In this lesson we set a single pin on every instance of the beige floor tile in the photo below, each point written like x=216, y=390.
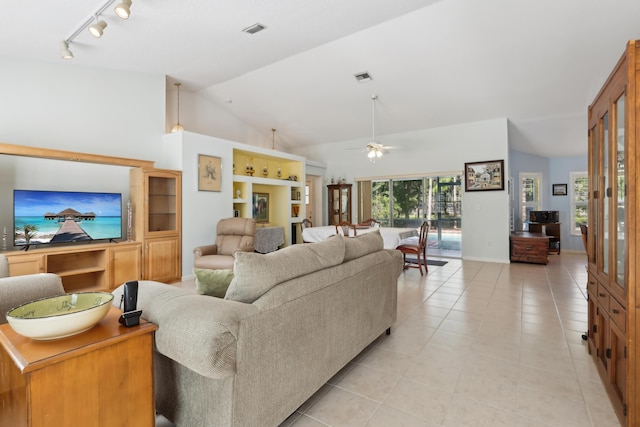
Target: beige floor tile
x=339, y=407
x=465, y=412
x=419, y=400
x=387, y=361
x=386, y=416
x=554, y=410
x=368, y=382
x=559, y=384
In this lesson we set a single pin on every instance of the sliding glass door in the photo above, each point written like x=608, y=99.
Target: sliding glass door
x=406, y=202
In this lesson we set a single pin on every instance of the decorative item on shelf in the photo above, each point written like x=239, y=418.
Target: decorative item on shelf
x=234, y=168
x=265, y=170
x=178, y=127
x=292, y=178
x=236, y=213
x=279, y=172
x=238, y=193
x=129, y=221
x=249, y=169
x=296, y=210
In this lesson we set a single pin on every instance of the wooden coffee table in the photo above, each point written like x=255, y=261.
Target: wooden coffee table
x=101, y=377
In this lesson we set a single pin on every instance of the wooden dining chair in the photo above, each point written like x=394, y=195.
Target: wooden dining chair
x=345, y=226
x=418, y=249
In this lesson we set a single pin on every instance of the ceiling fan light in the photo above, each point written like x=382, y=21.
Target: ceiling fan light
x=123, y=9
x=97, y=29
x=371, y=154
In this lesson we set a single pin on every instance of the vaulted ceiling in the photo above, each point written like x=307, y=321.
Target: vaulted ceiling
x=433, y=62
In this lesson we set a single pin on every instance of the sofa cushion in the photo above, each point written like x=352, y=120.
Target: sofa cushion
x=365, y=244
x=256, y=273
x=212, y=282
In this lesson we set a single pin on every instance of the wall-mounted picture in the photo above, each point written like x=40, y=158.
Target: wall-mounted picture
x=559, y=189
x=209, y=173
x=484, y=176
x=261, y=207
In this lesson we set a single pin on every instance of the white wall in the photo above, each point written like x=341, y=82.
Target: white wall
x=201, y=210
x=67, y=107
x=441, y=150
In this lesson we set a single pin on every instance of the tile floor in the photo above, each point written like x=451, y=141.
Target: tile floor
x=475, y=344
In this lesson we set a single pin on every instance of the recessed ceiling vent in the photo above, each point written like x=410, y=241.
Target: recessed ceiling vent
x=254, y=28
x=363, y=77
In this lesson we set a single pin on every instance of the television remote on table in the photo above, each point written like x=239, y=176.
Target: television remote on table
x=130, y=316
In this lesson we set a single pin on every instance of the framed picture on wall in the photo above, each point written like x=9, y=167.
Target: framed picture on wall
x=209, y=173
x=484, y=176
x=559, y=189
x=261, y=207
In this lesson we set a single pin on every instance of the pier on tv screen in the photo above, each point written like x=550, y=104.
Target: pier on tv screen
x=42, y=217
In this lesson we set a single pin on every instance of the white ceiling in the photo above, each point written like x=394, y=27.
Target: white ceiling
x=434, y=63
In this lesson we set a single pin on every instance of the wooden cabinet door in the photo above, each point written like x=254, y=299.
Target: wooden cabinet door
x=26, y=264
x=126, y=262
x=162, y=259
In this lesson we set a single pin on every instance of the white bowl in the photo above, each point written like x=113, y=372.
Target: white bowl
x=61, y=316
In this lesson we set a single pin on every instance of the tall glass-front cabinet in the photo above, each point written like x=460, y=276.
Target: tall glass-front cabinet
x=156, y=200
x=339, y=201
x=612, y=239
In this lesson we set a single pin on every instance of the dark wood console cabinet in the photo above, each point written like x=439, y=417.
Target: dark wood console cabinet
x=529, y=247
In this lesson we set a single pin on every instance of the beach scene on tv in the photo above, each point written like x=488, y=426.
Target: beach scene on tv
x=42, y=217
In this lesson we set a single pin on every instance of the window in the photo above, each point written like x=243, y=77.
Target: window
x=530, y=194
x=579, y=199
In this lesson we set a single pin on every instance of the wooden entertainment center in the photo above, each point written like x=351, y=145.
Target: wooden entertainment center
x=155, y=250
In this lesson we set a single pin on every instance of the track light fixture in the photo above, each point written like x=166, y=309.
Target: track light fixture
x=64, y=50
x=97, y=29
x=95, y=25
x=123, y=9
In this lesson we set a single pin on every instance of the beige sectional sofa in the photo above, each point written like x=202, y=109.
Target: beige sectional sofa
x=289, y=321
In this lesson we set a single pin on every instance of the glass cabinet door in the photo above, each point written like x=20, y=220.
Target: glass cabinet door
x=606, y=194
x=620, y=195
x=162, y=204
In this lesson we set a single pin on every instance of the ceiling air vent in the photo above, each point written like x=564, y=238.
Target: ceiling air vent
x=363, y=77
x=254, y=28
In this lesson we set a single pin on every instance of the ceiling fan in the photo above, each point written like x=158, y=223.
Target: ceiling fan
x=375, y=150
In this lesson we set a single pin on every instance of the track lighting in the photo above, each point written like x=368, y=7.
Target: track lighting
x=95, y=25
x=64, y=50
x=97, y=29
x=123, y=9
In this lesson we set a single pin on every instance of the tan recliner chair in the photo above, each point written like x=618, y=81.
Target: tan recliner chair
x=232, y=234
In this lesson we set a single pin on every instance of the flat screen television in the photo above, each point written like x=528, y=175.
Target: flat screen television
x=46, y=217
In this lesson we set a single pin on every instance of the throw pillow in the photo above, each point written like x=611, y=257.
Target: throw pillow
x=212, y=282
x=256, y=273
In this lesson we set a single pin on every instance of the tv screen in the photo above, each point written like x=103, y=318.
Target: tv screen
x=41, y=217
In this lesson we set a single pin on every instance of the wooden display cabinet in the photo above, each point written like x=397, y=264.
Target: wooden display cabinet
x=614, y=317
x=339, y=201
x=156, y=200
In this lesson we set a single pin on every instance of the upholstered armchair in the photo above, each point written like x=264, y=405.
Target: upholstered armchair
x=22, y=289
x=231, y=234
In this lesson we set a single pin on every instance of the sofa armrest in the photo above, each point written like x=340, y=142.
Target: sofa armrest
x=198, y=331
x=18, y=290
x=205, y=250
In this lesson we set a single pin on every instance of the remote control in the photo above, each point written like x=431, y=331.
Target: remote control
x=130, y=296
